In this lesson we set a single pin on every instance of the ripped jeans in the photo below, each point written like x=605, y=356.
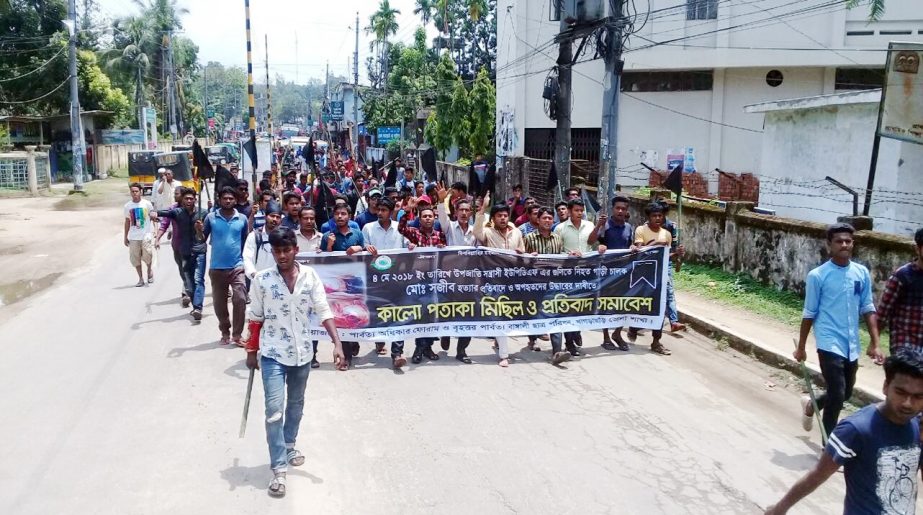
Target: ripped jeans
x=284, y=388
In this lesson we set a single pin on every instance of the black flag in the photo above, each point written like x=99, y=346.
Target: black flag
x=674, y=181
x=429, y=164
x=552, y=178
x=250, y=147
x=391, y=179
x=308, y=152
x=201, y=162
x=223, y=178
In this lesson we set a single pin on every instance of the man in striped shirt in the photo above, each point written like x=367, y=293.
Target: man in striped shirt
x=543, y=241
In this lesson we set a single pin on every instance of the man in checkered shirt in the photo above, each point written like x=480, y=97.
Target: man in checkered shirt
x=901, y=303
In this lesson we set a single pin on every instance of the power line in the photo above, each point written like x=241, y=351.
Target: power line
x=37, y=98
x=42, y=66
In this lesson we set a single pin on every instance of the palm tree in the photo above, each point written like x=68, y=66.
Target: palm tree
x=130, y=56
x=424, y=9
x=876, y=8
x=383, y=24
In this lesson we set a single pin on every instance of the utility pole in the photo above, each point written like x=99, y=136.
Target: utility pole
x=608, y=148
x=268, y=96
x=296, y=57
x=171, y=86
x=76, y=132
x=205, y=100
x=562, y=141
x=355, y=132
x=252, y=107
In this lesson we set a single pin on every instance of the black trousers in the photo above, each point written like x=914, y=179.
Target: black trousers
x=840, y=375
x=460, y=347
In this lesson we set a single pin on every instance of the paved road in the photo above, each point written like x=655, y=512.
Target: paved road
x=115, y=403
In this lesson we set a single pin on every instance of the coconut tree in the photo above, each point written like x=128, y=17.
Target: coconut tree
x=383, y=24
x=424, y=9
x=129, y=56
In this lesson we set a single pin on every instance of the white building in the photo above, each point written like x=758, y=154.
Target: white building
x=809, y=139
x=689, y=73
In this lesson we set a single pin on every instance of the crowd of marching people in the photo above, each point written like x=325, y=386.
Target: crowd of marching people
x=327, y=204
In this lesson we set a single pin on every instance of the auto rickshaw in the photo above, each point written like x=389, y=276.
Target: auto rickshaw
x=142, y=169
x=180, y=164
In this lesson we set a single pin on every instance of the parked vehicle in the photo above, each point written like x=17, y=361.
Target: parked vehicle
x=143, y=169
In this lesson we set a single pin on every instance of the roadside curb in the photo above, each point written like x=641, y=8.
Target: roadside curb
x=861, y=396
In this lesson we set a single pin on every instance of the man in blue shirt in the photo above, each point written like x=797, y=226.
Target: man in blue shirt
x=838, y=292
x=878, y=447
x=370, y=215
x=618, y=234
x=344, y=238
x=227, y=230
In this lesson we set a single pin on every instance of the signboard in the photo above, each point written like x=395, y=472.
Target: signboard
x=901, y=115
x=122, y=137
x=388, y=134
x=456, y=291
x=326, y=118
x=336, y=110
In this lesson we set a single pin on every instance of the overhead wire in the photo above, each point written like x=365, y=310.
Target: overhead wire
x=36, y=99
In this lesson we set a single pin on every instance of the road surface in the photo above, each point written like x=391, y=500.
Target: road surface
x=114, y=402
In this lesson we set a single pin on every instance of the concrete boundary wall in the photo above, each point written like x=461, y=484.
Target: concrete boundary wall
x=773, y=250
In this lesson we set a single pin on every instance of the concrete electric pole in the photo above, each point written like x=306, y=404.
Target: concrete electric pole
x=562, y=139
x=78, y=151
x=608, y=145
x=355, y=132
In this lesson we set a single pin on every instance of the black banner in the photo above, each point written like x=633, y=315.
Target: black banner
x=487, y=292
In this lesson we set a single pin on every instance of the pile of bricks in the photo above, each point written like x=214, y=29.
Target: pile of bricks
x=744, y=187
x=694, y=184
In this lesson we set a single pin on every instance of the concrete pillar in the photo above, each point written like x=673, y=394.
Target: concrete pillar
x=32, y=170
x=731, y=262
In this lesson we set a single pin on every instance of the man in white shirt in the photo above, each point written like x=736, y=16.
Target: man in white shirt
x=384, y=235
x=575, y=232
x=284, y=301
x=308, y=235
x=257, y=251
x=458, y=233
x=139, y=232
x=164, y=189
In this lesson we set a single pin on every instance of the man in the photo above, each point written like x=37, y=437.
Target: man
x=164, y=189
x=517, y=203
x=617, y=234
x=458, y=233
x=837, y=294
x=543, y=241
x=139, y=233
x=458, y=192
x=227, y=230
x=308, y=235
x=243, y=205
x=878, y=447
x=258, y=217
x=187, y=220
x=344, y=238
x=331, y=225
x=384, y=235
x=302, y=184
x=650, y=234
x=575, y=232
x=370, y=215
x=901, y=302
x=257, y=251
x=425, y=236
x=560, y=210
x=524, y=217
x=407, y=177
x=289, y=186
x=676, y=255
x=500, y=235
x=531, y=219
x=419, y=189
x=288, y=287
x=291, y=202
x=414, y=205
x=168, y=225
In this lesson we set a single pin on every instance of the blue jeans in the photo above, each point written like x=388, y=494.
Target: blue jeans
x=281, y=381
x=193, y=269
x=672, y=315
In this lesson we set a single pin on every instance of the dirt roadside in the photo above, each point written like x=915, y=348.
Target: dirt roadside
x=44, y=240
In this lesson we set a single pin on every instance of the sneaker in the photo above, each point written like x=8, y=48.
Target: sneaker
x=315, y=364
x=186, y=301
x=807, y=422
x=197, y=314
x=560, y=357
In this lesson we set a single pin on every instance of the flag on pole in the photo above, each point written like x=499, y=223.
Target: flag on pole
x=552, y=177
x=250, y=147
x=674, y=181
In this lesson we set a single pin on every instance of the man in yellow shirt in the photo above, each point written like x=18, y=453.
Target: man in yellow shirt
x=653, y=234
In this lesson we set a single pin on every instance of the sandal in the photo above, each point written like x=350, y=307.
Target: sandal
x=295, y=458
x=430, y=355
x=534, y=346
x=277, y=486
x=140, y=284
x=658, y=348
x=150, y=280
x=464, y=359
x=504, y=363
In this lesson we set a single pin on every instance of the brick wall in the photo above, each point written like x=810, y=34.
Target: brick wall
x=694, y=184
x=744, y=187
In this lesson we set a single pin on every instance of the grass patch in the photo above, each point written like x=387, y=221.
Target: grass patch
x=96, y=194
x=742, y=291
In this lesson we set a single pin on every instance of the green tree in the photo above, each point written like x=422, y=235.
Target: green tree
x=127, y=58
x=424, y=9
x=482, y=114
x=383, y=24
x=876, y=7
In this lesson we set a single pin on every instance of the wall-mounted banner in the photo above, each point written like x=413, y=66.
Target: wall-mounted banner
x=487, y=292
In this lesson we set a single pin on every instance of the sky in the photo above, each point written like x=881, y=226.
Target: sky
x=324, y=31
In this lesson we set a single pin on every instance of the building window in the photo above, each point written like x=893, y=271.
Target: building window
x=859, y=78
x=644, y=82
x=701, y=9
